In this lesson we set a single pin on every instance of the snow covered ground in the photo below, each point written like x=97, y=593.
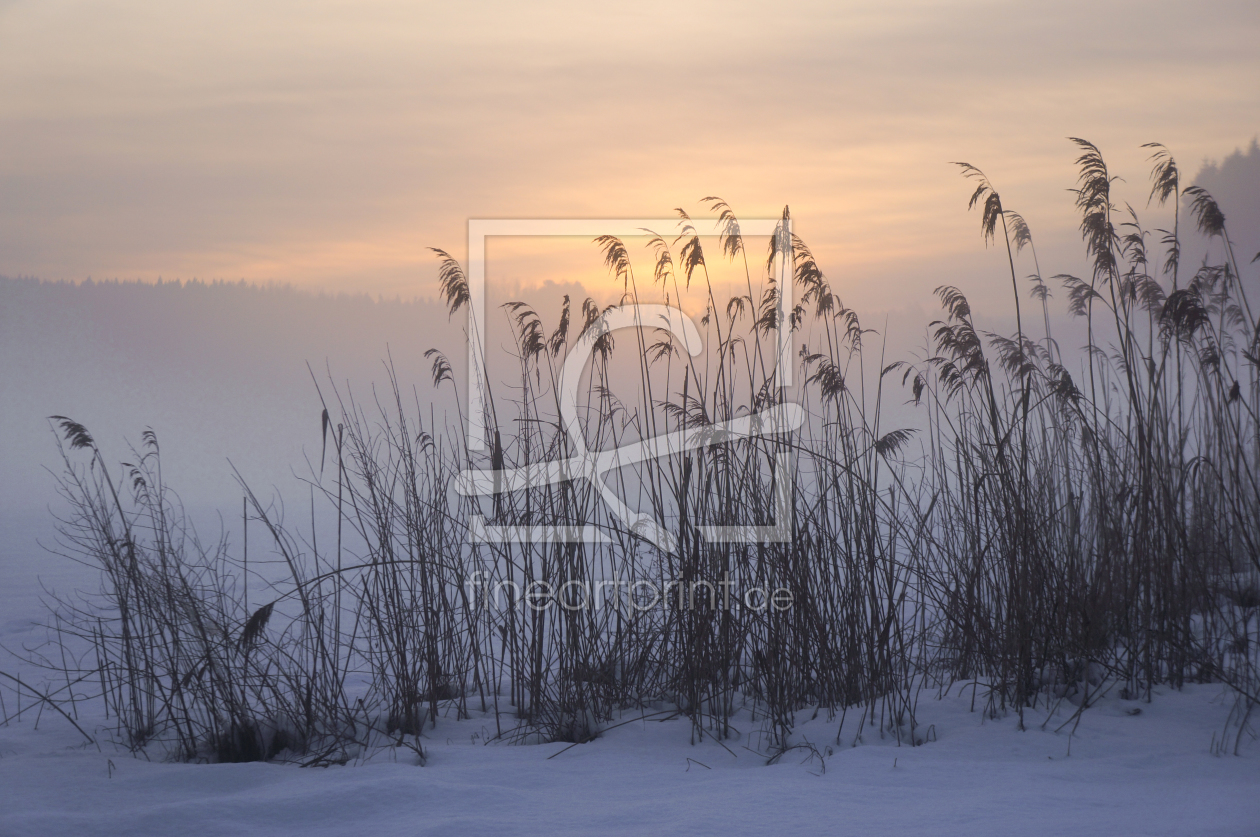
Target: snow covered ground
x=1148, y=773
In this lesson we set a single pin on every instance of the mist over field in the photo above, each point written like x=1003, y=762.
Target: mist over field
x=220, y=369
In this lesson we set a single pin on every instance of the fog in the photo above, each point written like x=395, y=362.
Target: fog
x=235, y=376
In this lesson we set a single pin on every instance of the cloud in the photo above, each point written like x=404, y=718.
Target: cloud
x=327, y=145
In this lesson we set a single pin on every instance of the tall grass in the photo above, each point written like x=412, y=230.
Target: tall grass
x=1051, y=525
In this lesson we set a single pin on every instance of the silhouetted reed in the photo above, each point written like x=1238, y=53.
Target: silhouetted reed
x=1051, y=525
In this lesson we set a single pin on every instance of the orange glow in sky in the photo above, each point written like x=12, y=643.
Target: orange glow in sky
x=328, y=144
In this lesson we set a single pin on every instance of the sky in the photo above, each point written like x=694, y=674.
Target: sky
x=328, y=144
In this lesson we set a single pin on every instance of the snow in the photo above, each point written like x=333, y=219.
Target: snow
x=1147, y=773
x=1150, y=773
